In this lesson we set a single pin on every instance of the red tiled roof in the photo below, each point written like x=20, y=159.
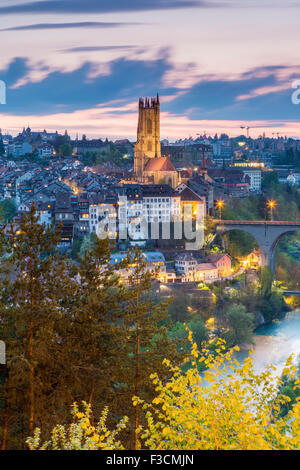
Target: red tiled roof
x=159, y=164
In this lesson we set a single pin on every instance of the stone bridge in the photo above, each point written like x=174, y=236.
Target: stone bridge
x=266, y=233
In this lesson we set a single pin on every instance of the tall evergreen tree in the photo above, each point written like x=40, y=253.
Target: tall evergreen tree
x=30, y=313
x=145, y=341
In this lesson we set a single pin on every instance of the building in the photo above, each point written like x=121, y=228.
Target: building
x=161, y=171
x=191, y=199
x=186, y=266
x=84, y=146
x=222, y=261
x=103, y=215
x=19, y=147
x=149, y=165
x=253, y=170
x=190, y=270
x=64, y=215
x=252, y=261
x=148, y=134
x=155, y=262
x=142, y=205
x=45, y=151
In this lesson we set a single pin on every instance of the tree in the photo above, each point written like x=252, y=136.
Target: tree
x=229, y=407
x=199, y=331
x=93, y=341
x=266, y=282
x=7, y=210
x=240, y=324
x=88, y=244
x=178, y=309
x=32, y=319
x=65, y=150
x=2, y=148
x=146, y=341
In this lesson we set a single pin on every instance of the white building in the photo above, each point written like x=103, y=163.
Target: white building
x=136, y=208
x=19, y=148
x=254, y=175
x=46, y=151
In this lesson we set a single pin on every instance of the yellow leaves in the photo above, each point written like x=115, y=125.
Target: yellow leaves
x=156, y=401
x=80, y=435
x=235, y=408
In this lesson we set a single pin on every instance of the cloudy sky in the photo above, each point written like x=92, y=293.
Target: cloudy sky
x=217, y=64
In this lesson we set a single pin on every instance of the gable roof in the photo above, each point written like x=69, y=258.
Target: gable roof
x=215, y=257
x=159, y=164
x=187, y=194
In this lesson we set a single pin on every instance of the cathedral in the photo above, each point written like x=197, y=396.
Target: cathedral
x=149, y=165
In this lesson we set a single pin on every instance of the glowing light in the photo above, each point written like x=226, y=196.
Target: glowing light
x=271, y=204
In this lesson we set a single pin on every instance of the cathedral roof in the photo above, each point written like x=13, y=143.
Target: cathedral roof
x=159, y=164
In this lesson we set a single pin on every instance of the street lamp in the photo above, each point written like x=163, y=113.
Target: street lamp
x=220, y=205
x=271, y=205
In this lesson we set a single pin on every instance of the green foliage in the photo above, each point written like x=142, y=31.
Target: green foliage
x=266, y=281
x=7, y=210
x=290, y=389
x=32, y=321
x=77, y=242
x=145, y=340
x=2, y=148
x=88, y=244
x=65, y=150
x=198, y=328
x=178, y=309
x=240, y=325
x=240, y=243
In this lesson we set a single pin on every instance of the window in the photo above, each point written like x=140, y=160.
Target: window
x=149, y=126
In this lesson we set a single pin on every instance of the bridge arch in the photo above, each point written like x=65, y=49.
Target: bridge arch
x=266, y=233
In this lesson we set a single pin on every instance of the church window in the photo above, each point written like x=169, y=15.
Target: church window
x=149, y=126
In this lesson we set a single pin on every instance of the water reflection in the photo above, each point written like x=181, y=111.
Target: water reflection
x=274, y=343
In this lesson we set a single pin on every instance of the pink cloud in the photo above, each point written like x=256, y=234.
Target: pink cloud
x=121, y=122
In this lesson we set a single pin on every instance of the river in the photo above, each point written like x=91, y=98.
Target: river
x=275, y=342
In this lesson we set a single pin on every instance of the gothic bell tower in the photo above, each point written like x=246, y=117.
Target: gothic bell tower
x=148, y=134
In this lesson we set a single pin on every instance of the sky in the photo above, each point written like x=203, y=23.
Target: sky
x=217, y=65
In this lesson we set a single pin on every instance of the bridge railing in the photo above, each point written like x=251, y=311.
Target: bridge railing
x=256, y=222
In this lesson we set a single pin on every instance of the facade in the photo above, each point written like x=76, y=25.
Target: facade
x=102, y=216
x=45, y=151
x=190, y=270
x=19, y=147
x=84, y=146
x=148, y=134
x=186, y=265
x=149, y=165
x=155, y=261
x=223, y=263
x=134, y=209
x=64, y=214
x=254, y=175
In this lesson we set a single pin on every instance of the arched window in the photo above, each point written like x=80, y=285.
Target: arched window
x=149, y=126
